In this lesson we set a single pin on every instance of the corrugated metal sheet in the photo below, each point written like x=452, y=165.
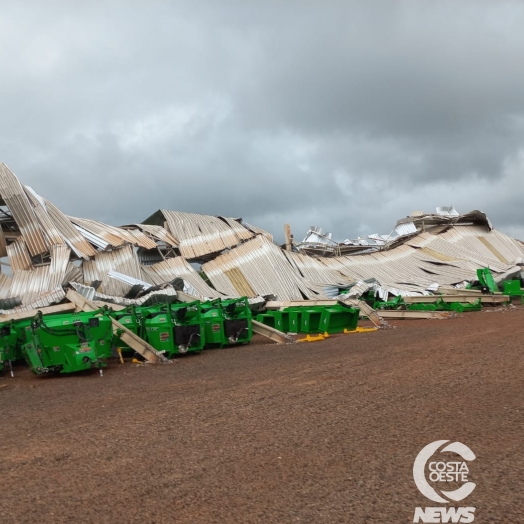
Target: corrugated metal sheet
x=3, y=245
x=14, y=196
x=123, y=260
x=127, y=279
x=257, y=230
x=449, y=211
x=486, y=242
x=73, y=274
x=200, y=235
x=60, y=256
x=46, y=299
x=5, y=286
x=50, y=231
x=19, y=257
x=140, y=239
x=408, y=228
x=99, y=242
x=168, y=294
x=100, y=230
x=159, y=233
x=315, y=271
x=168, y=270
x=236, y=225
x=30, y=284
x=148, y=258
x=69, y=232
x=111, y=235
x=263, y=265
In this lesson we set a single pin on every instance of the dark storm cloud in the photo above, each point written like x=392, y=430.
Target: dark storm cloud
x=348, y=115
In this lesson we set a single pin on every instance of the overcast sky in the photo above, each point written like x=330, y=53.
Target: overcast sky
x=346, y=115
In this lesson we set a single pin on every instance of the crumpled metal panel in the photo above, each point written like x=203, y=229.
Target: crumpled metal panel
x=30, y=284
x=16, y=200
x=3, y=244
x=159, y=233
x=19, y=257
x=123, y=260
x=408, y=228
x=168, y=294
x=200, y=235
x=60, y=256
x=263, y=266
x=51, y=233
x=315, y=271
x=46, y=299
x=111, y=235
x=5, y=286
x=492, y=244
x=127, y=279
x=257, y=230
x=73, y=274
x=69, y=232
x=168, y=270
x=140, y=239
x=100, y=230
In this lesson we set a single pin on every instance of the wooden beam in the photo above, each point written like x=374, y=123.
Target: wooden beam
x=20, y=315
x=466, y=298
x=132, y=340
x=402, y=313
x=368, y=311
x=455, y=291
x=271, y=333
x=282, y=304
x=288, y=237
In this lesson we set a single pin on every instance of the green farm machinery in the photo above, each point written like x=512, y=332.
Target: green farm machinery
x=337, y=318
x=68, y=343
x=175, y=328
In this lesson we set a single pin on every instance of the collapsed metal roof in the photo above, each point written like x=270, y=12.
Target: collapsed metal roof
x=48, y=250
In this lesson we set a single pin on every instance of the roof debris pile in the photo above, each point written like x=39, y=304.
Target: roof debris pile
x=211, y=257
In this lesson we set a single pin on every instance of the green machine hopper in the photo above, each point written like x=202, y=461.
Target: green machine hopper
x=212, y=315
x=310, y=319
x=238, y=325
x=175, y=328
x=339, y=318
x=68, y=343
x=513, y=289
x=287, y=321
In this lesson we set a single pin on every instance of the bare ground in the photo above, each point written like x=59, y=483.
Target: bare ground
x=304, y=433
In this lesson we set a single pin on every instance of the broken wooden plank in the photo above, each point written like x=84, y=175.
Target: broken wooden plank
x=365, y=310
x=402, y=313
x=282, y=304
x=466, y=299
x=271, y=333
x=456, y=291
x=20, y=315
x=132, y=340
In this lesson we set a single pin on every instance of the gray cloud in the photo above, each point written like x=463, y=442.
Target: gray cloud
x=347, y=115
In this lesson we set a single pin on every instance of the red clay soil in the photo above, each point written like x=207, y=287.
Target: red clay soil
x=322, y=432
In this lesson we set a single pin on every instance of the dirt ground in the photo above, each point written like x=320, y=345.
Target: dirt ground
x=323, y=432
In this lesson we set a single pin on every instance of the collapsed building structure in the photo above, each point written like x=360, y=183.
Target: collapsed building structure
x=46, y=251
